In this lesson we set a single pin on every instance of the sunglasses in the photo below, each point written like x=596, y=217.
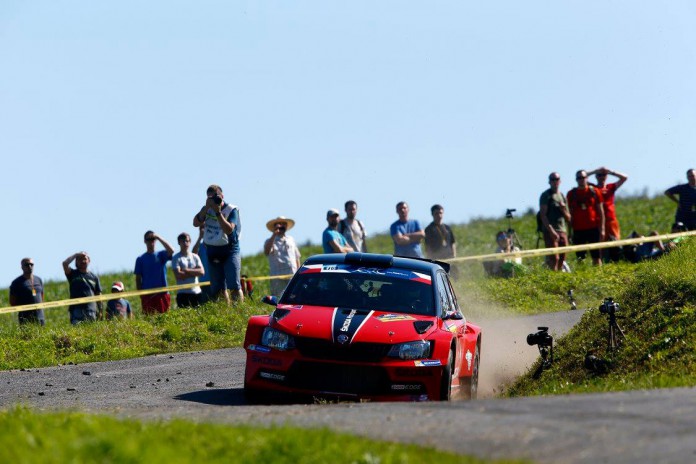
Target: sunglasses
x=581, y=177
x=554, y=179
x=27, y=264
x=150, y=239
x=280, y=228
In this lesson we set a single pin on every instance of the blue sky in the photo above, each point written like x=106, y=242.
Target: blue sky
x=115, y=116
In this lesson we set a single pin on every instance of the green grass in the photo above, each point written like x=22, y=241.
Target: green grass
x=658, y=310
x=71, y=437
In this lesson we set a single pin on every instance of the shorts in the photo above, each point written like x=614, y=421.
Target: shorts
x=157, y=303
x=581, y=237
x=188, y=300
x=225, y=273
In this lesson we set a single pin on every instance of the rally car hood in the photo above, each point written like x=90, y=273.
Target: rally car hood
x=346, y=325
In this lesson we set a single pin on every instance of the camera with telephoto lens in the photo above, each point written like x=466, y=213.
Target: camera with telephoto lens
x=608, y=306
x=508, y=212
x=217, y=199
x=541, y=338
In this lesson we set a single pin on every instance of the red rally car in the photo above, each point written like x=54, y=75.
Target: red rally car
x=364, y=326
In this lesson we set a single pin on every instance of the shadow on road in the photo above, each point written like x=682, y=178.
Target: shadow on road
x=215, y=396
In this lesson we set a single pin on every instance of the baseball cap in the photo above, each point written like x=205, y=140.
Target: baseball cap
x=331, y=212
x=118, y=286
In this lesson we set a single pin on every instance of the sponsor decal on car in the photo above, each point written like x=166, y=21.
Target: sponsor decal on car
x=468, y=358
x=266, y=361
x=395, y=317
x=260, y=348
x=451, y=327
x=350, y=269
x=347, y=322
x=427, y=363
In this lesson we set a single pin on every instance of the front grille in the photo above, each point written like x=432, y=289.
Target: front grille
x=355, y=352
x=358, y=380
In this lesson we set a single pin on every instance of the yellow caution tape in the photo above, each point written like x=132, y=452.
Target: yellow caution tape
x=486, y=257
x=568, y=249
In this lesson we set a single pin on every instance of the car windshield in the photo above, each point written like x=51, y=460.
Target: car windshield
x=399, y=291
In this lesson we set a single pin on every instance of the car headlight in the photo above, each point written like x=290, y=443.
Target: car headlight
x=411, y=350
x=276, y=339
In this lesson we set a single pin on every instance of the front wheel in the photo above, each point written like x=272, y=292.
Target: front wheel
x=446, y=379
x=470, y=384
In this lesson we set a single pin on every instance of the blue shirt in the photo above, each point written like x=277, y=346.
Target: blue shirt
x=152, y=269
x=412, y=250
x=330, y=234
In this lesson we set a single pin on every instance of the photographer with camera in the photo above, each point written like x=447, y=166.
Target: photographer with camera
x=221, y=238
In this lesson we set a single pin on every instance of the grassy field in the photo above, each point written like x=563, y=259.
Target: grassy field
x=79, y=438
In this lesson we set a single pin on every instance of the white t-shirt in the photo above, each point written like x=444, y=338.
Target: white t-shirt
x=190, y=261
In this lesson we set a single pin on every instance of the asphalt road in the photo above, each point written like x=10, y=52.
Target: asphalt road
x=628, y=427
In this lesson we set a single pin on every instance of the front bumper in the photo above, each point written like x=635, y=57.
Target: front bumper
x=385, y=380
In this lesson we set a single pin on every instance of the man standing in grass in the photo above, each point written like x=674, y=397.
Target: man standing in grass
x=83, y=283
x=331, y=240
x=352, y=228
x=554, y=216
x=221, y=237
x=28, y=289
x=587, y=213
x=187, y=268
x=686, y=204
x=406, y=233
x=151, y=272
x=439, y=238
x=612, y=230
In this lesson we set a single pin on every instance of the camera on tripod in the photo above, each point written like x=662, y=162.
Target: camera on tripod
x=609, y=306
x=508, y=212
x=541, y=338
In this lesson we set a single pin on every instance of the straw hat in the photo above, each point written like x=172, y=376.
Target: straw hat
x=272, y=222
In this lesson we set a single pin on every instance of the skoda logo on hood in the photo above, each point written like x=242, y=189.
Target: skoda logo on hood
x=342, y=339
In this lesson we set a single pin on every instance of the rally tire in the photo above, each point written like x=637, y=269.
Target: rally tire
x=469, y=386
x=446, y=379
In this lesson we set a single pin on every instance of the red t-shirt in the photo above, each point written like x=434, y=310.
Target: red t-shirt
x=583, y=207
x=608, y=199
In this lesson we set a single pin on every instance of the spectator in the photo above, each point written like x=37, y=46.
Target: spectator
x=187, y=267
x=118, y=308
x=587, y=216
x=554, y=217
x=83, y=283
x=507, y=267
x=247, y=286
x=352, y=229
x=406, y=233
x=28, y=289
x=331, y=240
x=151, y=272
x=612, y=231
x=222, y=231
x=282, y=252
x=439, y=239
x=686, y=204
x=202, y=251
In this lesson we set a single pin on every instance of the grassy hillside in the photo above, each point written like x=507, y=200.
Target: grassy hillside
x=658, y=315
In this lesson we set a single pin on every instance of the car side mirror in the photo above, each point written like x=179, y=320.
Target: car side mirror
x=453, y=315
x=270, y=300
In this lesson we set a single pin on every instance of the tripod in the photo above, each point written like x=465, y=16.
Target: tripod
x=616, y=334
x=510, y=232
x=546, y=353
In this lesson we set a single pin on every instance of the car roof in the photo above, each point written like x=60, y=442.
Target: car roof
x=379, y=260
